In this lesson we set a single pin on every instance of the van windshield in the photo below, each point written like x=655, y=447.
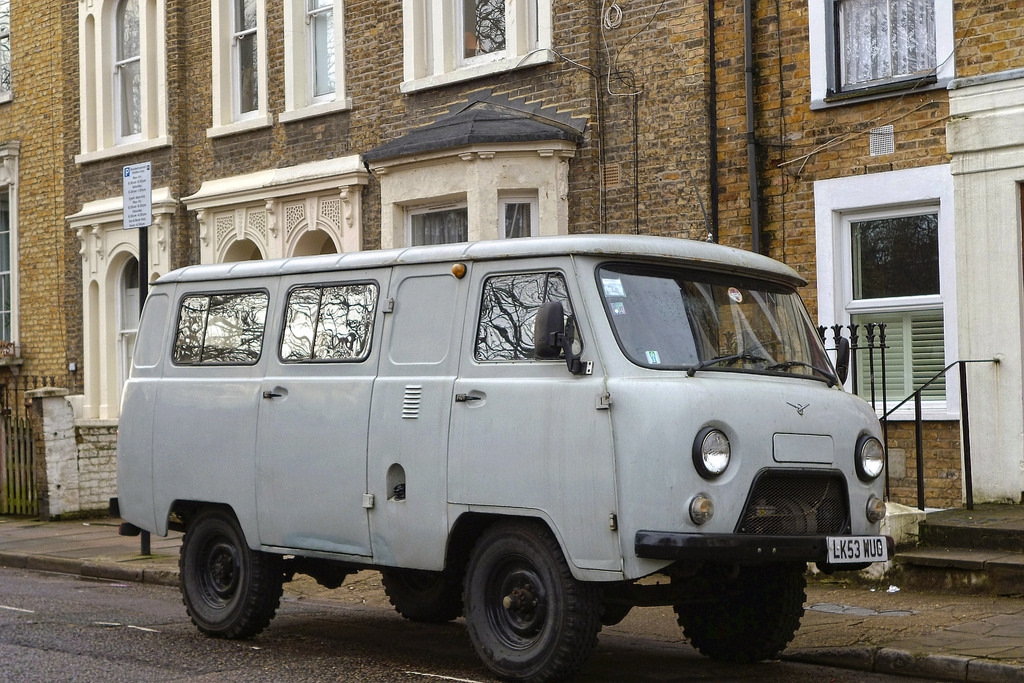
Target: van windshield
x=675, y=319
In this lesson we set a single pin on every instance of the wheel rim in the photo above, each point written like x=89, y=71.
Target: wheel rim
x=516, y=603
x=219, y=572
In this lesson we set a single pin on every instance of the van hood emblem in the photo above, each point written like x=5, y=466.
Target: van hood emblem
x=800, y=407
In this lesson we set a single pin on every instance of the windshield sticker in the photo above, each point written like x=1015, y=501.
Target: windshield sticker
x=735, y=295
x=618, y=308
x=613, y=287
x=654, y=358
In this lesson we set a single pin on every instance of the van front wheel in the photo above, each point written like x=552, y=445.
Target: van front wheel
x=527, y=617
x=229, y=590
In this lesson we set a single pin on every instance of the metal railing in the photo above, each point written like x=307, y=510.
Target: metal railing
x=875, y=346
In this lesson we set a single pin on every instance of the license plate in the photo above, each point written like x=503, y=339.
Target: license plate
x=848, y=549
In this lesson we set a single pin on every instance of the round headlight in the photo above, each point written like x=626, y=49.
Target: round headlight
x=870, y=458
x=711, y=452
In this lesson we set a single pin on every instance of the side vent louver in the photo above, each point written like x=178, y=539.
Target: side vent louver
x=411, y=402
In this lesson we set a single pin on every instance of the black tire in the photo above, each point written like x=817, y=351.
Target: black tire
x=752, y=619
x=430, y=597
x=229, y=590
x=527, y=617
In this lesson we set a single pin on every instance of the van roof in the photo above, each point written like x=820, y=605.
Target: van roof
x=691, y=253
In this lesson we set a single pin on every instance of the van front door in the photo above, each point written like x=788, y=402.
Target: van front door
x=530, y=438
x=314, y=412
x=412, y=399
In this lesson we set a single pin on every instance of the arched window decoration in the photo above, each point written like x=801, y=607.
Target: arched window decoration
x=128, y=71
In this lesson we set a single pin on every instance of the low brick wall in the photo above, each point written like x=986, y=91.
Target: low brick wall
x=75, y=460
x=97, y=463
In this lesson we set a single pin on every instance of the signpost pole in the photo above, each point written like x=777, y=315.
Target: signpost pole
x=137, y=203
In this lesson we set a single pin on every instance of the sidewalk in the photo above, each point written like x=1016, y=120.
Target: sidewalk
x=947, y=637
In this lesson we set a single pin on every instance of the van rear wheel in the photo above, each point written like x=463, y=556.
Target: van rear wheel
x=527, y=617
x=752, y=618
x=229, y=590
x=431, y=597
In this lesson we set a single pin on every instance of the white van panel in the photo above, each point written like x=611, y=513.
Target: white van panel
x=412, y=402
x=312, y=442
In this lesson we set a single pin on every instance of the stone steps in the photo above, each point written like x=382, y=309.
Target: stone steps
x=976, y=551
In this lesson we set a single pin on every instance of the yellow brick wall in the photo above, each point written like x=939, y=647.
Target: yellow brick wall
x=34, y=118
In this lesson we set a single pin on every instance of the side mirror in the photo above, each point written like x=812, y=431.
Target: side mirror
x=842, y=359
x=551, y=339
x=549, y=331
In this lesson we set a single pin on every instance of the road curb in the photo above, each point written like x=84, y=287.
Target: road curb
x=903, y=663
x=110, y=571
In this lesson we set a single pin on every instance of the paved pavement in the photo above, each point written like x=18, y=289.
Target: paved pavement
x=882, y=628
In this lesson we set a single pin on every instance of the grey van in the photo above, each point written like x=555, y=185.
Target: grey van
x=516, y=432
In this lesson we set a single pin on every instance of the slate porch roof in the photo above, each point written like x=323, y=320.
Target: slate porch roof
x=481, y=120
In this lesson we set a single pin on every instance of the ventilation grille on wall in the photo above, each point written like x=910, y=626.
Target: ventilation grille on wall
x=612, y=175
x=882, y=141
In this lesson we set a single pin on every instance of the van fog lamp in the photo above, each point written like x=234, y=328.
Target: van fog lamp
x=870, y=458
x=701, y=509
x=875, y=509
x=711, y=452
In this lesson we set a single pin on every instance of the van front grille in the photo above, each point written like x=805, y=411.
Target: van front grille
x=788, y=503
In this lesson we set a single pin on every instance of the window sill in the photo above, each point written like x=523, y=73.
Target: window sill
x=467, y=73
x=879, y=92
x=929, y=413
x=6, y=96
x=123, y=150
x=235, y=127
x=316, y=109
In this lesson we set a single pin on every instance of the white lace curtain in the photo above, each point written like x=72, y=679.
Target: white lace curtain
x=885, y=39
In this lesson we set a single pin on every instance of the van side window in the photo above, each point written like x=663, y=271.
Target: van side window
x=507, y=311
x=220, y=329
x=329, y=323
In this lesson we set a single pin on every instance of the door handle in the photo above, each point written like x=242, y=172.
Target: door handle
x=271, y=394
x=465, y=398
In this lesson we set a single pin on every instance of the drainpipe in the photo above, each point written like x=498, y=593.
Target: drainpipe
x=755, y=197
x=713, y=124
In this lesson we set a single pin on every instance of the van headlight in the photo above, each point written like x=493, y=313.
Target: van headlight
x=870, y=458
x=711, y=452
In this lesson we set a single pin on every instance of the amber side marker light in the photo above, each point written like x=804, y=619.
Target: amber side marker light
x=459, y=270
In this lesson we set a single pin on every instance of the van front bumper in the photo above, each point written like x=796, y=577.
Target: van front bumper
x=743, y=549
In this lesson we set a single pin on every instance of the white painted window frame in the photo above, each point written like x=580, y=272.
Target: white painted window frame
x=433, y=42
x=226, y=118
x=299, y=102
x=521, y=198
x=99, y=120
x=5, y=41
x=836, y=202
x=434, y=207
x=822, y=41
x=119, y=68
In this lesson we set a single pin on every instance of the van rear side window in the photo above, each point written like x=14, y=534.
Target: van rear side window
x=329, y=323
x=220, y=329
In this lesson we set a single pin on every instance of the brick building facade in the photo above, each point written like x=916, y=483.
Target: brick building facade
x=763, y=131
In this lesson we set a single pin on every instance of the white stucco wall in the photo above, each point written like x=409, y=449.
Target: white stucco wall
x=985, y=136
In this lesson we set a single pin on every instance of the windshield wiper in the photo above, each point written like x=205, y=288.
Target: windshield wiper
x=786, y=365
x=730, y=359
